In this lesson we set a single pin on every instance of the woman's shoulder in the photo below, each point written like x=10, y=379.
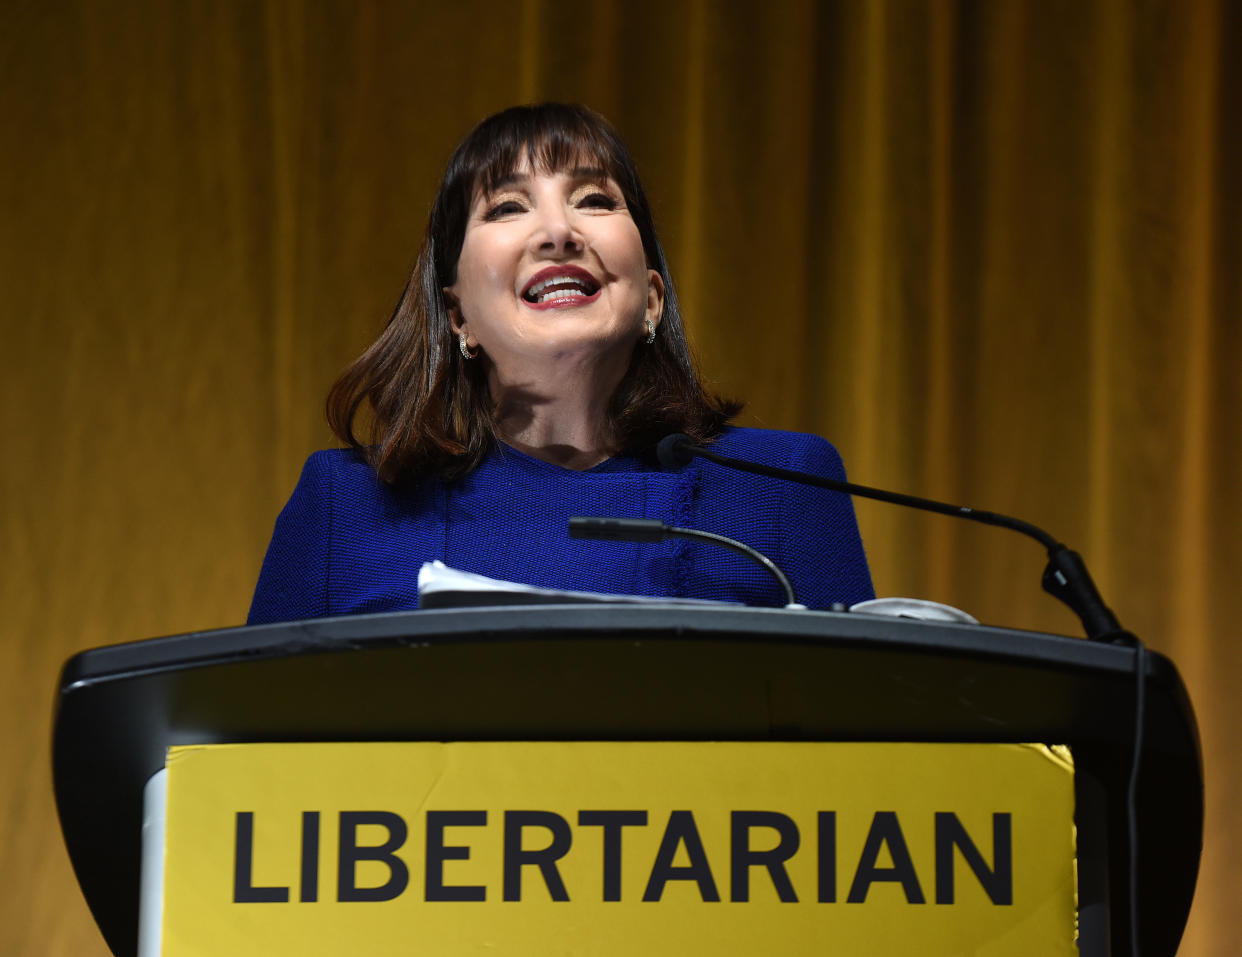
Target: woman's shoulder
x=337, y=467
x=333, y=476
x=800, y=450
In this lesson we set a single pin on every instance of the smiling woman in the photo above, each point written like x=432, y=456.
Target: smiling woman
x=534, y=361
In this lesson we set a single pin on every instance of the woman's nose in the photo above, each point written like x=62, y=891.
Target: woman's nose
x=555, y=233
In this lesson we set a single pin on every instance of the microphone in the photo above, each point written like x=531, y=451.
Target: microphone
x=651, y=530
x=1065, y=578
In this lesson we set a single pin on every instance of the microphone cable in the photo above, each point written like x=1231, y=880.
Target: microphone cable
x=1140, y=708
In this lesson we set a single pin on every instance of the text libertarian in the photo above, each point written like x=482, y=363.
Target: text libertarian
x=681, y=836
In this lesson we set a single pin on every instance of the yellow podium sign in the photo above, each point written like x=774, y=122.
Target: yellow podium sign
x=612, y=848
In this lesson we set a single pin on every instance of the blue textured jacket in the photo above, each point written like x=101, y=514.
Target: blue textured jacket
x=346, y=543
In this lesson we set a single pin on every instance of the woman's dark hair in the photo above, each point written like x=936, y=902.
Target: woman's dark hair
x=432, y=413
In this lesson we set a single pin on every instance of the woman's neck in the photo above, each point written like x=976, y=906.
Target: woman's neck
x=566, y=424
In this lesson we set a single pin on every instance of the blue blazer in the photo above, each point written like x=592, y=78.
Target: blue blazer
x=346, y=543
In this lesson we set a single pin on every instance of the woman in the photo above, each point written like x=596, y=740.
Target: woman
x=534, y=361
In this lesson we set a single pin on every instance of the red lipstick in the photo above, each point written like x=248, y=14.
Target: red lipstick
x=560, y=287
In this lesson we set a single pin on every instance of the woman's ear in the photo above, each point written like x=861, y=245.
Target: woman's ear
x=655, y=297
x=453, y=305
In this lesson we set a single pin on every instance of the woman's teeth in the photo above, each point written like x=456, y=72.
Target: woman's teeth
x=559, y=287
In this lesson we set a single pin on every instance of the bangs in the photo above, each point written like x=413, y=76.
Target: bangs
x=549, y=138
x=546, y=144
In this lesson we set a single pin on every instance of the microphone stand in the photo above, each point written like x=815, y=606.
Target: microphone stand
x=650, y=530
x=1065, y=578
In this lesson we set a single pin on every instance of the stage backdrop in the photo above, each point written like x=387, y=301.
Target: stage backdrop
x=992, y=250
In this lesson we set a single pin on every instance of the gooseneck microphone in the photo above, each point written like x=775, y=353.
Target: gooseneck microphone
x=1065, y=578
x=651, y=530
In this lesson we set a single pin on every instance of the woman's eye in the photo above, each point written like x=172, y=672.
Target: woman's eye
x=598, y=201
x=503, y=208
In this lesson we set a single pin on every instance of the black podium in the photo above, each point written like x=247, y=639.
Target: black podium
x=643, y=672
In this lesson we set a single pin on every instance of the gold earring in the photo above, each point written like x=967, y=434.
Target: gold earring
x=465, y=349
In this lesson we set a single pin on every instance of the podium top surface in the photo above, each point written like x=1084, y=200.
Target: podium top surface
x=597, y=672
x=523, y=622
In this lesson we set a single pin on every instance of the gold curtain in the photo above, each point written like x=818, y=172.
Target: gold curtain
x=990, y=249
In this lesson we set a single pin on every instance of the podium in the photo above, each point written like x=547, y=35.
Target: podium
x=654, y=673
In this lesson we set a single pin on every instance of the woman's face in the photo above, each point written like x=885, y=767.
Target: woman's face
x=552, y=266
